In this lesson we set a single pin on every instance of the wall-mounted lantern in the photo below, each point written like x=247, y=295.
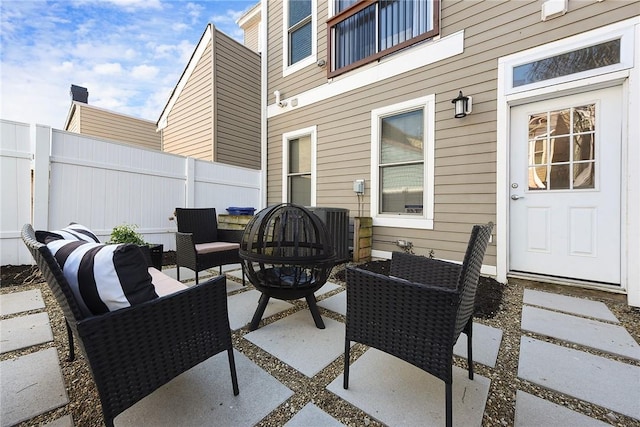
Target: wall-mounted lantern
x=462, y=105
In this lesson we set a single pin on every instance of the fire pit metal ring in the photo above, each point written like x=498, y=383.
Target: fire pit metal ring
x=287, y=254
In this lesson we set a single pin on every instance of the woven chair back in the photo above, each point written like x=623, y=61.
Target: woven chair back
x=470, y=274
x=202, y=222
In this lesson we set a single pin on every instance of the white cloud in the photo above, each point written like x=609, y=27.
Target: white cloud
x=144, y=72
x=108, y=68
x=65, y=67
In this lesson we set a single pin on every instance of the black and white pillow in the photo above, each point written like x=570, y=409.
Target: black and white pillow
x=102, y=277
x=71, y=232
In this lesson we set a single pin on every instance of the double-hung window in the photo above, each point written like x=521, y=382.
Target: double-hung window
x=299, y=164
x=402, y=164
x=300, y=38
x=364, y=31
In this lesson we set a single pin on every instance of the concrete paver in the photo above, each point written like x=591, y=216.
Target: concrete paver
x=203, y=396
x=590, y=333
x=24, y=331
x=486, y=344
x=581, y=306
x=399, y=394
x=31, y=385
x=243, y=305
x=312, y=416
x=296, y=341
x=532, y=411
x=17, y=302
x=582, y=375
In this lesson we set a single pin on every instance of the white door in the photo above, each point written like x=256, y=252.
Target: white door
x=564, y=207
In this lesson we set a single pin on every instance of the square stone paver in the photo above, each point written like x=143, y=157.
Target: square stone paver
x=24, y=331
x=595, y=379
x=573, y=305
x=31, y=385
x=336, y=303
x=296, y=341
x=532, y=411
x=203, y=396
x=400, y=394
x=243, y=305
x=312, y=416
x=17, y=302
x=486, y=344
x=579, y=330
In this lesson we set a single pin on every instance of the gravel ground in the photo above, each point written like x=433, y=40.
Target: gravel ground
x=84, y=405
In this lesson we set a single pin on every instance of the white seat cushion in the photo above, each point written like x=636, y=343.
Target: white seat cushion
x=205, y=248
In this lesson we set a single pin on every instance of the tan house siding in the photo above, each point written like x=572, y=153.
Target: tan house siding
x=89, y=120
x=190, y=128
x=237, y=113
x=214, y=112
x=465, y=150
x=251, y=36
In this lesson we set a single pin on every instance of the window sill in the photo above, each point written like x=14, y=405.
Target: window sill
x=403, y=221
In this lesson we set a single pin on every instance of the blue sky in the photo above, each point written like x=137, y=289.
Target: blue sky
x=129, y=54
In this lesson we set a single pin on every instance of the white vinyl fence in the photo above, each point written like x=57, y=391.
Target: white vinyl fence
x=51, y=178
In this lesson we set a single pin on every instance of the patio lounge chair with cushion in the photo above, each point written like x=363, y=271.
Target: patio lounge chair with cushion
x=201, y=245
x=418, y=312
x=144, y=330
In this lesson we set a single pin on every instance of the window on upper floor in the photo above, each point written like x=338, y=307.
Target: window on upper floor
x=366, y=30
x=300, y=34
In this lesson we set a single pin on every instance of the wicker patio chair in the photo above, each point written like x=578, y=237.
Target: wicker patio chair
x=201, y=245
x=133, y=351
x=418, y=312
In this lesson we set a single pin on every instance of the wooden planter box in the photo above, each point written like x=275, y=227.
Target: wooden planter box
x=362, y=238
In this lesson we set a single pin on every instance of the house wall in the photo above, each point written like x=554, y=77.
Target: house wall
x=90, y=120
x=252, y=35
x=73, y=124
x=465, y=150
x=237, y=107
x=189, y=131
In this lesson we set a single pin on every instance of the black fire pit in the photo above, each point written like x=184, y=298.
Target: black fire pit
x=287, y=254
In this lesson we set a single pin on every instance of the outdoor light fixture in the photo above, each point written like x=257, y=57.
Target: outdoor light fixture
x=462, y=105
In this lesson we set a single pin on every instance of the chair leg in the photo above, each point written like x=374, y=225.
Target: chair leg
x=196, y=277
x=449, y=404
x=178, y=273
x=347, y=353
x=72, y=354
x=221, y=270
x=470, y=349
x=234, y=376
x=243, y=282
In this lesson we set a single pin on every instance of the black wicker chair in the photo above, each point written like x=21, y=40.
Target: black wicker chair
x=201, y=245
x=133, y=351
x=418, y=312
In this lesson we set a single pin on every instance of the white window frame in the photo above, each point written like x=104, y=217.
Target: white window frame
x=624, y=33
x=424, y=221
x=311, y=59
x=312, y=132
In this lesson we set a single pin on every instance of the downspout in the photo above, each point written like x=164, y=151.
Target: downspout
x=263, y=102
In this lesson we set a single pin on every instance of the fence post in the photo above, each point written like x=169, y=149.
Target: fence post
x=190, y=183
x=40, y=182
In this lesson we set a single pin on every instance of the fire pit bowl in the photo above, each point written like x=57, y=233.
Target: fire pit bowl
x=287, y=254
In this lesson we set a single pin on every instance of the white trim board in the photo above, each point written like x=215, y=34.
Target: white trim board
x=416, y=57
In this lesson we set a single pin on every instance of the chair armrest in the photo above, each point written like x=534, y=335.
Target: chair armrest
x=232, y=236
x=425, y=270
x=134, y=350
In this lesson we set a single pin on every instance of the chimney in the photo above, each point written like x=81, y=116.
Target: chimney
x=80, y=94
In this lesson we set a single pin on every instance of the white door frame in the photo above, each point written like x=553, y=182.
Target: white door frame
x=627, y=74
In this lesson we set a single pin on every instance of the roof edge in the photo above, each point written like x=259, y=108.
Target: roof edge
x=207, y=35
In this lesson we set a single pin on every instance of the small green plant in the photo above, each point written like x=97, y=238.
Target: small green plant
x=126, y=233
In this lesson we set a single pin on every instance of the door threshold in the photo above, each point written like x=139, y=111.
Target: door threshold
x=584, y=284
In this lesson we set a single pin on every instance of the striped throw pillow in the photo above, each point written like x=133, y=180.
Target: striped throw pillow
x=102, y=277
x=71, y=232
